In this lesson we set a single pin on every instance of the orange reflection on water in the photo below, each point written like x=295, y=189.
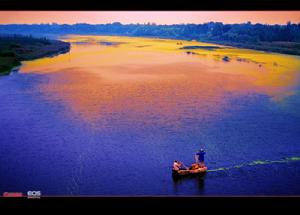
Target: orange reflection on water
x=150, y=80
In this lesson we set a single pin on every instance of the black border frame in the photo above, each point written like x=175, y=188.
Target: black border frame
x=183, y=205
x=150, y=204
x=119, y=5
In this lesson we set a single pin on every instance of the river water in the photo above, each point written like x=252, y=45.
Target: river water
x=110, y=117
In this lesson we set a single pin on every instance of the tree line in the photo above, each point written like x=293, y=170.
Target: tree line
x=277, y=38
x=212, y=30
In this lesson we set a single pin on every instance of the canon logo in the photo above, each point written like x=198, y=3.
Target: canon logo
x=12, y=194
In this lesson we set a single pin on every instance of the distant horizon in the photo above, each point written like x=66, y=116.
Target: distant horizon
x=151, y=23
x=144, y=17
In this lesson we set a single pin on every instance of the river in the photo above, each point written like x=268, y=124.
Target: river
x=110, y=116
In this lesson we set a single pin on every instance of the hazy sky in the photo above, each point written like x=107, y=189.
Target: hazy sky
x=159, y=17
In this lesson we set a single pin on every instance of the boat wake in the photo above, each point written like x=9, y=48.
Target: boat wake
x=255, y=163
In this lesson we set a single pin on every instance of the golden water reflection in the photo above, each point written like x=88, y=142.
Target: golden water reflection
x=153, y=77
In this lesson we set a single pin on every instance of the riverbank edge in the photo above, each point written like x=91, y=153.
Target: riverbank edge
x=18, y=64
x=263, y=47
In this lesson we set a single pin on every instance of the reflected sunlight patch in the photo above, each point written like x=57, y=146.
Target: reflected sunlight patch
x=103, y=75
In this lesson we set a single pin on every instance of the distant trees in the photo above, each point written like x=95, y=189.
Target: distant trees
x=288, y=32
x=14, y=40
x=211, y=31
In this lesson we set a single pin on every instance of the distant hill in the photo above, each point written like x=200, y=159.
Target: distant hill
x=274, y=38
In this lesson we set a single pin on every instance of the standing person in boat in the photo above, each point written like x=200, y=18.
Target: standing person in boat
x=199, y=157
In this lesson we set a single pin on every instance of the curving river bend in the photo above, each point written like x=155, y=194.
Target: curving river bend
x=109, y=118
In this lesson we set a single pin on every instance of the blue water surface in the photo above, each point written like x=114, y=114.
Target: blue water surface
x=40, y=149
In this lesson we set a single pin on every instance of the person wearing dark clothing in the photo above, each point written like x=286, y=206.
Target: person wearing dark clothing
x=199, y=157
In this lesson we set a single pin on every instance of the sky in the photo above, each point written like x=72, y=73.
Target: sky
x=158, y=17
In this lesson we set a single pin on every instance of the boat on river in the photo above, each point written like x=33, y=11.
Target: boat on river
x=193, y=170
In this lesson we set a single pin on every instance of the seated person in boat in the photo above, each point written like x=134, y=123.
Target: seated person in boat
x=177, y=165
x=199, y=157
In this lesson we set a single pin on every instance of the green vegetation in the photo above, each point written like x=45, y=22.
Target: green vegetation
x=271, y=38
x=292, y=48
x=16, y=48
x=210, y=48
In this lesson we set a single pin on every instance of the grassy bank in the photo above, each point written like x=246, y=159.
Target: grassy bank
x=16, y=48
x=292, y=48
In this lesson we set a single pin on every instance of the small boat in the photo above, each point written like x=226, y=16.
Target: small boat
x=196, y=171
